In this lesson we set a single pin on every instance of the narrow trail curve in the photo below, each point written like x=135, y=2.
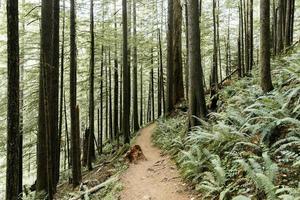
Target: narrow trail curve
x=154, y=179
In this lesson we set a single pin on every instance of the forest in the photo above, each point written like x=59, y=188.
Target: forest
x=150, y=99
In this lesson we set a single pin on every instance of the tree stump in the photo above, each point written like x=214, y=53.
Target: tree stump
x=135, y=154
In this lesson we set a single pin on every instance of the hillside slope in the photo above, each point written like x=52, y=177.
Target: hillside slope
x=250, y=148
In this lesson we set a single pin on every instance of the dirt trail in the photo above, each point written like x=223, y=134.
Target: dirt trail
x=154, y=179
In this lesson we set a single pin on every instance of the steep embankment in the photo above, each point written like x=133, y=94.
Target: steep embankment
x=250, y=148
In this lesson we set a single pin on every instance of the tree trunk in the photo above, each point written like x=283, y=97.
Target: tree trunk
x=266, y=81
x=280, y=31
x=218, y=41
x=21, y=123
x=170, y=79
x=214, y=73
x=288, y=23
x=44, y=164
x=292, y=23
x=187, y=50
x=197, y=103
x=135, y=65
x=13, y=118
x=239, y=57
x=141, y=98
x=61, y=98
x=241, y=24
x=274, y=28
x=111, y=135
x=177, y=53
x=55, y=140
x=126, y=78
x=91, y=86
x=100, y=138
x=116, y=83
x=161, y=77
x=75, y=132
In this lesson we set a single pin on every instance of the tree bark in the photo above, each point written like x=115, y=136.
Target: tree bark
x=135, y=65
x=126, y=78
x=54, y=95
x=44, y=153
x=91, y=86
x=170, y=79
x=177, y=53
x=280, y=30
x=214, y=72
x=197, y=102
x=266, y=81
x=13, y=118
x=61, y=97
x=141, y=98
x=288, y=22
x=187, y=50
x=116, y=82
x=75, y=132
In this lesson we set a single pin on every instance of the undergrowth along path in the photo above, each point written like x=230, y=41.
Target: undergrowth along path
x=156, y=178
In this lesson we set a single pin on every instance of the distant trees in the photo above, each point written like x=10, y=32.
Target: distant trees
x=265, y=46
x=13, y=125
x=283, y=25
x=246, y=37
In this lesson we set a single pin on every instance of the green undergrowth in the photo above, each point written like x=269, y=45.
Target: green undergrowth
x=112, y=165
x=250, y=148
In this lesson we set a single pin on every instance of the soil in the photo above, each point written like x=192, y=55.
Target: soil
x=155, y=178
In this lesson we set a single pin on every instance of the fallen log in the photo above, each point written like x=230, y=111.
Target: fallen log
x=94, y=189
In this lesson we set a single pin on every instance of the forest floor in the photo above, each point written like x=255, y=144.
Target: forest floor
x=156, y=178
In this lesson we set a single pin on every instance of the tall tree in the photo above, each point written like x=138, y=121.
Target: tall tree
x=274, y=27
x=111, y=135
x=177, y=52
x=116, y=81
x=134, y=68
x=44, y=162
x=22, y=84
x=187, y=49
x=288, y=22
x=175, y=89
x=160, y=77
x=61, y=102
x=126, y=78
x=214, y=72
x=152, y=87
x=280, y=25
x=13, y=129
x=75, y=135
x=141, y=97
x=251, y=36
x=265, y=46
x=170, y=79
x=197, y=103
x=54, y=94
x=242, y=44
x=91, y=91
